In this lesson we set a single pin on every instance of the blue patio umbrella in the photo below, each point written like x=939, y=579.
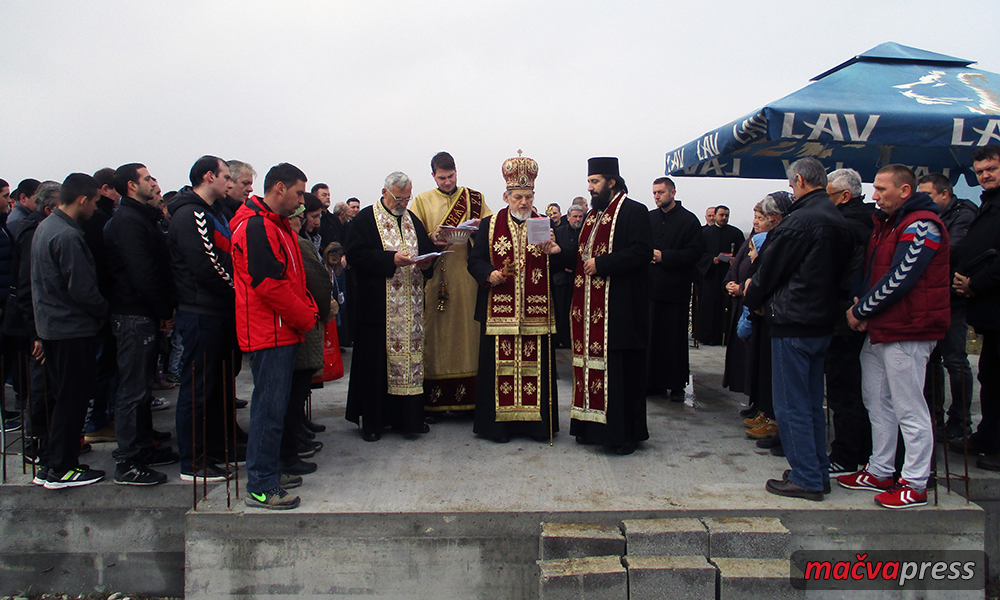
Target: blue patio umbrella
x=891, y=104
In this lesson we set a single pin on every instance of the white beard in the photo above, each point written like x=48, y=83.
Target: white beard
x=522, y=215
x=399, y=211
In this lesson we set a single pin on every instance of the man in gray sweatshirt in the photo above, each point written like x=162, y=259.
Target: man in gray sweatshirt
x=68, y=311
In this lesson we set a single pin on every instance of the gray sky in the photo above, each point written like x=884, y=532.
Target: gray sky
x=350, y=91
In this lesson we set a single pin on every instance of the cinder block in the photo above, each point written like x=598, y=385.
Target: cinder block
x=592, y=578
x=571, y=540
x=751, y=579
x=665, y=537
x=674, y=577
x=747, y=537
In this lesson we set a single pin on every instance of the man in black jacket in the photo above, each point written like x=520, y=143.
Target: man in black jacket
x=140, y=306
x=567, y=238
x=199, y=240
x=957, y=214
x=795, y=288
x=852, y=432
x=981, y=286
x=677, y=246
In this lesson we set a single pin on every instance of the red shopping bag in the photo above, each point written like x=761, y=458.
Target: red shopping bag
x=333, y=362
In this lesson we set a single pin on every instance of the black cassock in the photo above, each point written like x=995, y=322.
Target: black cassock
x=627, y=270
x=714, y=299
x=368, y=400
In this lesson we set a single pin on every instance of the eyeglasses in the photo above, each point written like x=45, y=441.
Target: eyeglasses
x=406, y=199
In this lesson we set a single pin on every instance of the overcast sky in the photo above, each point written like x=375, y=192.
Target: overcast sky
x=350, y=91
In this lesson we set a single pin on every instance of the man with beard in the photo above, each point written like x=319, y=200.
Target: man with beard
x=330, y=229
x=677, y=247
x=709, y=216
x=451, y=338
x=567, y=238
x=387, y=375
x=721, y=242
x=516, y=393
x=609, y=318
x=200, y=242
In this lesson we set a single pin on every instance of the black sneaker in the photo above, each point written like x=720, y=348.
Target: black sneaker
x=41, y=475
x=135, y=473
x=11, y=425
x=157, y=457
x=82, y=475
x=276, y=499
x=297, y=466
x=288, y=481
x=211, y=474
x=837, y=468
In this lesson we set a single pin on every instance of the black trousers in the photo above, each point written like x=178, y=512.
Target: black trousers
x=72, y=363
x=989, y=395
x=852, y=431
x=667, y=366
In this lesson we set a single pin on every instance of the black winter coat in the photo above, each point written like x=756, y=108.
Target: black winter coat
x=138, y=259
x=983, y=310
x=799, y=273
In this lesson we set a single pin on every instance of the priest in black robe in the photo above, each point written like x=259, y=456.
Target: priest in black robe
x=721, y=242
x=677, y=248
x=609, y=318
x=515, y=391
x=386, y=387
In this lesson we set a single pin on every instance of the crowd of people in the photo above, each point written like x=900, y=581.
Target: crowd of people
x=116, y=290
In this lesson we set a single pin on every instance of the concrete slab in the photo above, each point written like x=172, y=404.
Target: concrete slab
x=574, y=540
x=750, y=579
x=666, y=537
x=674, y=577
x=592, y=578
x=697, y=464
x=747, y=537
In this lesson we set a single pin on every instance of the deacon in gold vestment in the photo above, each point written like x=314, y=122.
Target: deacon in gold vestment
x=451, y=336
x=515, y=309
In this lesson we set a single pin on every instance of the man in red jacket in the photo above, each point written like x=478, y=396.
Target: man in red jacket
x=273, y=312
x=905, y=310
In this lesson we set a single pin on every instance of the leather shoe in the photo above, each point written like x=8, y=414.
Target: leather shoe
x=424, y=428
x=677, y=395
x=501, y=439
x=240, y=403
x=989, y=462
x=296, y=466
x=790, y=490
x=826, y=484
x=315, y=427
x=625, y=449
x=777, y=450
x=371, y=436
x=432, y=418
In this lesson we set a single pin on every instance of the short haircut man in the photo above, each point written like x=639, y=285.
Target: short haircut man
x=141, y=305
x=979, y=287
x=678, y=246
x=24, y=203
x=273, y=312
x=796, y=285
x=201, y=265
x=68, y=312
x=905, y=309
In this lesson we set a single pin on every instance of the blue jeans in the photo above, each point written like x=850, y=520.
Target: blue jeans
x=797, y=380
x=136, y=339
x=272, y=383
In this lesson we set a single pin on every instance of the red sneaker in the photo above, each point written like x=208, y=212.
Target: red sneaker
x=863, y=480
x=901, y=495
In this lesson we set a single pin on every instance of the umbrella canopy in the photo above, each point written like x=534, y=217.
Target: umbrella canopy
x=892, y=104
